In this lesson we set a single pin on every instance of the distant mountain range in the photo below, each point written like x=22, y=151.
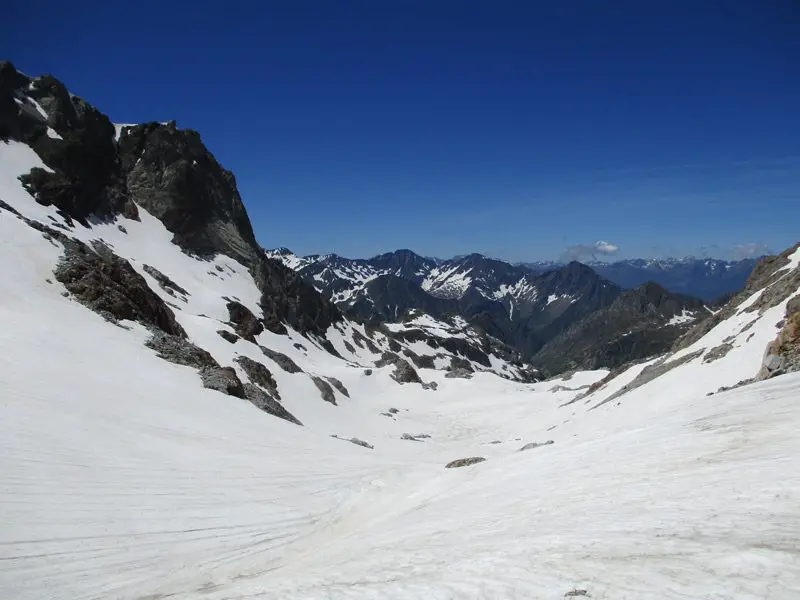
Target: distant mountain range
x=541, y=309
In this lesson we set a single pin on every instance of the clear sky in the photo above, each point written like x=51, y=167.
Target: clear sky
x=515, y=129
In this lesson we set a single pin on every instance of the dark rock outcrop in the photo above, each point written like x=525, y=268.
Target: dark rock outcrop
x=283, y=361
x=533, y=445
x=403, y=371
x=109, y=285
x=165, y=282
x=637, y=325
x=228, y=336
x=222, y=379
x=258, y=374
x=267, y=403
x=339, y=386
x=324, y=389
x=244, y=322
x=179, y=350
x=171, y=174
x=464, y=462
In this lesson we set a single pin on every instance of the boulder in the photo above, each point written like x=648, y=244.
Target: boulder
x=222, y=379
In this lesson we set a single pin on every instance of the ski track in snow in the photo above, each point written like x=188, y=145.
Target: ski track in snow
x=123, y=478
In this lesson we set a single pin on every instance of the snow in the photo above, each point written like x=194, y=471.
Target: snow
x=123, y=478
x=118, y=127
x=52, y=133
x=555, y=297
x=686, y=316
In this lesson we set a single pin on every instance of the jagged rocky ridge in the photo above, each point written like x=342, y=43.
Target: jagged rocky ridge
x=563, y=318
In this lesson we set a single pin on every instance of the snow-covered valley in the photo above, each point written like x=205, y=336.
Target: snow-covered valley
x=125, y=475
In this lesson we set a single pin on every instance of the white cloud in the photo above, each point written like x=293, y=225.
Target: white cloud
x=581, y=251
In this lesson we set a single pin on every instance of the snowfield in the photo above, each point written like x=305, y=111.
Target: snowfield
x=122, y=477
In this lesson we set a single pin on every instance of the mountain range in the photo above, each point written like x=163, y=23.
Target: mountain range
x=529, y=305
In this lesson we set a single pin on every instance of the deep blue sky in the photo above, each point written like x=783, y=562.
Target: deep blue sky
x=515, y=129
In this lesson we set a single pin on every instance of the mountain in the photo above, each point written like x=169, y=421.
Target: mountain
x=512, y=303
x=640, y=323
x=110, y=195
x=704, y=278
x=184, y=417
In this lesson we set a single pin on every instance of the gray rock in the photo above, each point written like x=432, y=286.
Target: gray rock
x=267, y=403
x=403, y=371
x=228, y=336
x=325, y=389
x=359, y=442
x=718, y=352
x=394, y=411
x=179, y=351
x=535, y=445
x=576, y=593
x=367, y=372
x=774, y=362
x=464, y=462
x=283, y=361
x=244, y=322
x=339, y=386
x=164, y=282
x=109, y=285
x=222, y=379
x=458, y=374
x=258, y=374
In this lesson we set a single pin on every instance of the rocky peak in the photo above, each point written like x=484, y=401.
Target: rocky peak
x=172, y=175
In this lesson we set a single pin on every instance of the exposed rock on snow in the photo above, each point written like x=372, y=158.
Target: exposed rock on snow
x=165, y=282
x=339, y=386
x=111, y=287
x=403, y=371
x=324, y=389
x=283, y=361
x=258, y=374
x=533, y=445
x=179, y=350
x=464, y=462
x=459, y=373
x=261, y=399
x=228, y=336
x=222, y=379
x=245, y=323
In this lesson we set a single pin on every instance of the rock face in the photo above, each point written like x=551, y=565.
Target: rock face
x=464, y=462
x=165, y=282
x=87, y=178
x=339, y=386
x=283, y=361
x=640, y=323
x=166, y=170
x=222, y=379
x=180, y=351
x=324, y=389
x=265, y=402
x=783, y=353
x=258, y=374
x=245, y=323
x=403, y=371
x=171, y=174
x=109, y=285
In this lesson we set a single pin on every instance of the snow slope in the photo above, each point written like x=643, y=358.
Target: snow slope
x=122, y=477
